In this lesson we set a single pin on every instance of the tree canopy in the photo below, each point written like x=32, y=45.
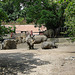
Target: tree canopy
x=70, y=18
x=47, y=12
x=3, y=14
x=50, y=13
x=3, y=17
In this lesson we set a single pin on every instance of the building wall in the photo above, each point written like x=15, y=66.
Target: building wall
x=29, y=28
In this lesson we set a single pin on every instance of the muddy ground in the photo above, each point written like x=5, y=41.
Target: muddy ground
x=22, y=61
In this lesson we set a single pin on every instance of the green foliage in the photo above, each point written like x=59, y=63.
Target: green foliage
x=70, y=18
x=14, y=29
x=3, y=15
x=20, y=20
x=49, y=13
x=29, y=20
x=4, y=30
x=22, y=13
x=12, y=8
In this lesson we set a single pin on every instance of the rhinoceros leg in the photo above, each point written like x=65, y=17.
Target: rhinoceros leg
x=31, y=46
x=30, y=43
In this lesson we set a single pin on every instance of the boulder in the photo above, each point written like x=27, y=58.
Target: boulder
x=9, y=44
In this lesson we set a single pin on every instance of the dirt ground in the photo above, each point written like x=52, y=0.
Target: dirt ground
x=22, y=61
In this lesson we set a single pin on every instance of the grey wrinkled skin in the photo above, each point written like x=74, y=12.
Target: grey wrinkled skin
x=30, y=42
x=39, y=38
x=9, y=44
x=48, y=45
x=49, y=33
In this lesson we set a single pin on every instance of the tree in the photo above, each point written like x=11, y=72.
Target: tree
x=70, y=18
x=12, y=8
x=49, y=13
x=3, y=16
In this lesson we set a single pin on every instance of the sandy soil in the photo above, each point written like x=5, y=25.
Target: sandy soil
x=22, y=61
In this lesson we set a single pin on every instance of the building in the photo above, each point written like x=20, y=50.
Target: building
x=29, y=28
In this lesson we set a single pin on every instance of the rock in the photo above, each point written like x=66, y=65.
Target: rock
x=9, y=44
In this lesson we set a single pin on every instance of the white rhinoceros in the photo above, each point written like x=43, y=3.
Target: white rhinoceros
x=30, y=42
x=39, y=38
x=48, y=45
